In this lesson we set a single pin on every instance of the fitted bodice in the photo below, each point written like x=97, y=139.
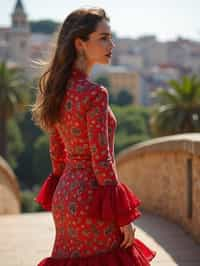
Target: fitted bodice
x=73, y=127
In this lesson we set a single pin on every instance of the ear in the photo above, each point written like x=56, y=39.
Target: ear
x=79, y=44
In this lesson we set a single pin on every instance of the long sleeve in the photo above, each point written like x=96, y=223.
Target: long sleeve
x=113, y=200
x=58, y=158
x=97, y=128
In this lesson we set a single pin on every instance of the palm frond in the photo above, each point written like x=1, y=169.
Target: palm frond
x=12, y=90
x=177, y=106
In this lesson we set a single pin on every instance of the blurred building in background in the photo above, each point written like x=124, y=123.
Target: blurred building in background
x=19, y=46
x=15, y=41
x=138, y=65
x=120, y=78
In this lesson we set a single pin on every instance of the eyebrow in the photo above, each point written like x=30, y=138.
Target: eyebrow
x=106, y=33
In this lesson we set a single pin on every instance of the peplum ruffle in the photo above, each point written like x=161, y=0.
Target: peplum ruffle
x=45, y=195
x=115, y=203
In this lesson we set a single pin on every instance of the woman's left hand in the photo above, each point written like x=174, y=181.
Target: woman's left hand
x=129, y=235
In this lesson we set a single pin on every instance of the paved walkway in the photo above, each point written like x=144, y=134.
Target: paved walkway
x=26, y=239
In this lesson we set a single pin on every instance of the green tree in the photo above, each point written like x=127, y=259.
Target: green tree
x=177, y=109
x=44, y=26
x=132, y=125
x=12, y=99
x=15, y=143
x=41, y=159
x=124, y=98
x=27, y=200
x=103, y=80
x=30, y=134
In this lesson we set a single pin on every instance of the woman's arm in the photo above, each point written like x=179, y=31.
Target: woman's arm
x=97, y=128
x=112, y=200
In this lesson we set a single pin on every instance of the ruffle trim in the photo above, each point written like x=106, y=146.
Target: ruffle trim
x=115, y=203
x=138, y=255
x=45, y=195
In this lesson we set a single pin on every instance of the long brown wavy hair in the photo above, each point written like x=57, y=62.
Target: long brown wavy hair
x=53, y=82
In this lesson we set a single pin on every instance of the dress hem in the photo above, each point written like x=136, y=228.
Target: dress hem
x=138, y=255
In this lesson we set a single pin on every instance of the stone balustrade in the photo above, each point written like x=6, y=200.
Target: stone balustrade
x=165, y=174
x=9, y=190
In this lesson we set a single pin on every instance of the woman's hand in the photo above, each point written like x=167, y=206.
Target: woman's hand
x=129, y=235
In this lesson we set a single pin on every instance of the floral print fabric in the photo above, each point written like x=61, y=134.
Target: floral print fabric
x=82, y=154
x=81, y=148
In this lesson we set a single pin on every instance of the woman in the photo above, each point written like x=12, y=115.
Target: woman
x=92, y=210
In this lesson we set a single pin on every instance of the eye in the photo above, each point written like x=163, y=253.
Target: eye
x=106, y=38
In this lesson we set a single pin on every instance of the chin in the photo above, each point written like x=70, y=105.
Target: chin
x=105, y=61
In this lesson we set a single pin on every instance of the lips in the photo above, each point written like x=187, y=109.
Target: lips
x=109, y=54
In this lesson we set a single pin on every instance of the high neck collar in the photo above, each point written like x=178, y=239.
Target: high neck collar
x=77, y=73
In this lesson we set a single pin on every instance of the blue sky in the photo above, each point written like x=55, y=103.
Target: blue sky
x=129, y=18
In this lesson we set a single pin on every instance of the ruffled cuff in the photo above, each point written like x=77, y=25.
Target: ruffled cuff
x=45, y=195
x=115, y=203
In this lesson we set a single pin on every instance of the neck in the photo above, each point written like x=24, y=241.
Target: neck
x=86, y=68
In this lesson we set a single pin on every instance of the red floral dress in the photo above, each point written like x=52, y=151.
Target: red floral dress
x=87, y=201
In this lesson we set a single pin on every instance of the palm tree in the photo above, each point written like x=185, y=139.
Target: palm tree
x=12, y=99
x=178, y=108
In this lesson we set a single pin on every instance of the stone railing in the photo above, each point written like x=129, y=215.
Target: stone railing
x=165, y=174
x=9, y=190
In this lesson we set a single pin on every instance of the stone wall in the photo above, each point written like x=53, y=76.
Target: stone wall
x=9, y=190
x=165, y=174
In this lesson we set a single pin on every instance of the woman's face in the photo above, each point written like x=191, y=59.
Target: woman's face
x=98, y=49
